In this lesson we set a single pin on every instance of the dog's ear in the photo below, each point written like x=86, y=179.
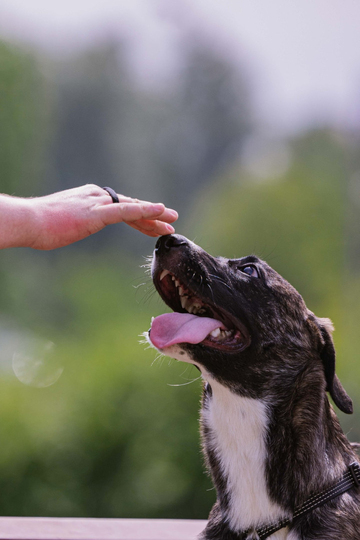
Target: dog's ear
x=327, y=354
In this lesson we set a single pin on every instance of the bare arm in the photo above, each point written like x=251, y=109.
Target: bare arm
x=65, y=217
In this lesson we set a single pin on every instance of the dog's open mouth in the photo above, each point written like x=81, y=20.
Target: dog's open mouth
x=194, y=320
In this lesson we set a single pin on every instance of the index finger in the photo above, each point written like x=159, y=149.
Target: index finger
x=168, y=214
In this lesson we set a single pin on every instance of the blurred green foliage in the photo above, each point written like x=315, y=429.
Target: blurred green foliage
x=294, y=222
x=117, y=434
x=23, y=114
x=110, y=438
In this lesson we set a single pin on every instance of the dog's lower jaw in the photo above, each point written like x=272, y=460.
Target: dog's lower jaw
x=234, y=430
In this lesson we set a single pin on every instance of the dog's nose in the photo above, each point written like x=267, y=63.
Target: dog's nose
x=166, y=243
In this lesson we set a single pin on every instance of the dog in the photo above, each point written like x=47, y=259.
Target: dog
x=280, y=462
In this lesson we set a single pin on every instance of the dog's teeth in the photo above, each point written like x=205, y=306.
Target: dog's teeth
x=220, y=334
x=192, y=309
x=188, y=304
x=173, y=278
x=163, y=274
x=181, y=291
x=177, y=283
x=215, y=333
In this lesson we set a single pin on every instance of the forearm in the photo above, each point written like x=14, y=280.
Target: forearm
x=65, y=217
x=17, y=222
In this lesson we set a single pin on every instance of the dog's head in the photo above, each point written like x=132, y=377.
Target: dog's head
x=239, y=321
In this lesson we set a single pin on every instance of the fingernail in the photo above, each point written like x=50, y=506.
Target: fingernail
x=170, y=228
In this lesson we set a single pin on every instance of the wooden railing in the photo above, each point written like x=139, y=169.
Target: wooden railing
x=14, y=528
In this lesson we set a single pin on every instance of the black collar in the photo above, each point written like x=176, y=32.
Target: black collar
x=350, y=479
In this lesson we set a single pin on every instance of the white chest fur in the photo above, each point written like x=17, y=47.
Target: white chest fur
x=238, y=428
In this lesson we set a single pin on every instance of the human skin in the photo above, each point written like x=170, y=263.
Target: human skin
x=65, y=217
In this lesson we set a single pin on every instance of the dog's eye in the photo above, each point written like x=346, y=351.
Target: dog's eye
x=250, y=271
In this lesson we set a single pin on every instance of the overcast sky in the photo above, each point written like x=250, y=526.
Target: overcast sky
x=303, y=55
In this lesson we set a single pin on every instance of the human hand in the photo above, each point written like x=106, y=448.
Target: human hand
x=65, y=217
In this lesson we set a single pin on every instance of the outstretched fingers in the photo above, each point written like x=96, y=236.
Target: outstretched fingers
x=152, y=227
x=152, y=219
x=150, y=210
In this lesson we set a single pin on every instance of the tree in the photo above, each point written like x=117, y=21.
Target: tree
x=23, y=117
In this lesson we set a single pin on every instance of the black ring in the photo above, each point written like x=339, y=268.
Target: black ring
x=112, y=194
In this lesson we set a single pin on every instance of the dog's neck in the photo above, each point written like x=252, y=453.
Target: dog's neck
x=309, y=450
x=268, y=455
x=235, y=431
x=237, y=434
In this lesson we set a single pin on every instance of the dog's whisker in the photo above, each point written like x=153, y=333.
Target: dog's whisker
x=148, y=297
x=186, y=383
x=140, y=285
x=211, y=291
x=149, y=291
x=221, y=281
x=159, y=357
x=148, y=264
x=144, y=340
x=141, y=279
x=185, y=371
x=146, y=290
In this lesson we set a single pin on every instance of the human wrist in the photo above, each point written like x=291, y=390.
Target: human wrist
x=29, y=222
x=18, y=222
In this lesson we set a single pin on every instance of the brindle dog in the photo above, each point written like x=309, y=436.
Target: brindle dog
x=270, y=436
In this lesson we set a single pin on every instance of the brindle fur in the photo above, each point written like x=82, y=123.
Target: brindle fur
x=290, y=364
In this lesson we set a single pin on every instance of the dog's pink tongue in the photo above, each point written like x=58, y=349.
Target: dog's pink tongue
x=171, y=328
